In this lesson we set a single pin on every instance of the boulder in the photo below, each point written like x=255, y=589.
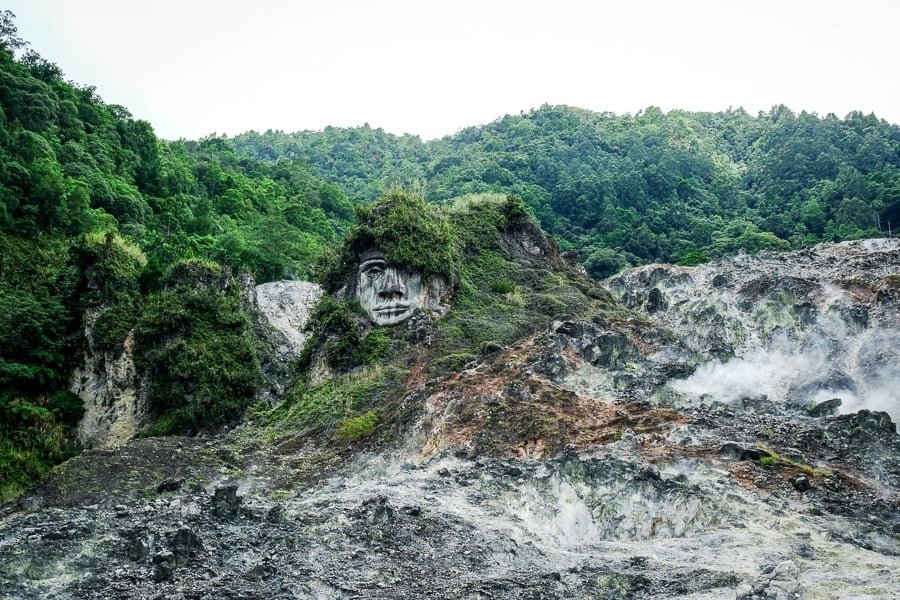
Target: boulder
x=826, y=408
x=781, y=582
x=226, y=502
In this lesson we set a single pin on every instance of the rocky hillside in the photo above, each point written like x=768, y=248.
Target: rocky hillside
x=721, y=431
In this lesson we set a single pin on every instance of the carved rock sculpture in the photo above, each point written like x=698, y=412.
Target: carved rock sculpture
x=390, y=294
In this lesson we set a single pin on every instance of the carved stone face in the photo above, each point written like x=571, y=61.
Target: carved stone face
x=388, y=294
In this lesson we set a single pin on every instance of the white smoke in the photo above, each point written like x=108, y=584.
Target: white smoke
x=882, y=393
x=761, y=373
x=864, y=374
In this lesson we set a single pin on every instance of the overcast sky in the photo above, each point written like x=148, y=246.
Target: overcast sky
x=192, y=68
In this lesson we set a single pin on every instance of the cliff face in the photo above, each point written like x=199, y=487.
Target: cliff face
x=114, y=396
x=280, y=311
x=115, y=393
x=681, y=441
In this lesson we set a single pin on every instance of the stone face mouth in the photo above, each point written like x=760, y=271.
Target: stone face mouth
x=391, y=314
x=392, y=308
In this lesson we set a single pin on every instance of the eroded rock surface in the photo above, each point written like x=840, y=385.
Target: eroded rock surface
x=281, y=310
x=285, y=306
x=573, y=463
x=798, y=328
x=114, y=396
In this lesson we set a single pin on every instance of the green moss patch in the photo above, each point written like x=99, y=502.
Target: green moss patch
x=410, y=232
x=195, y=342
x=352, y=429
x=326, y=406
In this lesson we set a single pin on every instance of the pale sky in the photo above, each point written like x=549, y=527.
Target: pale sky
x=192, y=68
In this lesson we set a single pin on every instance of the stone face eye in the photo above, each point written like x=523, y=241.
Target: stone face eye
x=374, y=270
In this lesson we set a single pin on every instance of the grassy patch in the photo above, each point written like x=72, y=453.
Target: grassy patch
x=773, y=459
x=502, y=286
x=327, y=405
x=452, y=363
x=352, y=429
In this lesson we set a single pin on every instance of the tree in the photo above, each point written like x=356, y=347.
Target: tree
x=9, y=33
x=603, y=262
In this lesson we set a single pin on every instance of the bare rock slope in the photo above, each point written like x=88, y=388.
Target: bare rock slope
x=682, y=443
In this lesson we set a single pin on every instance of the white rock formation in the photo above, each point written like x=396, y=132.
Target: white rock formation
x=281, y=311
x=114, y=399
x=285, y=306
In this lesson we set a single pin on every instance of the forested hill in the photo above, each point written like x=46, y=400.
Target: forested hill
x=71, y=164
x=98, y=214
x=655, y=186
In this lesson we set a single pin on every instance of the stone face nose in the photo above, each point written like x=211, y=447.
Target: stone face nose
x=392, y=288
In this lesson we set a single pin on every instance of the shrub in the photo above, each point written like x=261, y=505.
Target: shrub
x=113, y=265
x=18, y=469
x=194, y=273
x=502, y=286
x=371, y=348
x=114, y=323
x=452, y=363
x=67, y=408
x=693, y=258
x=33, y=437
x=353, y=429
x=337, y=333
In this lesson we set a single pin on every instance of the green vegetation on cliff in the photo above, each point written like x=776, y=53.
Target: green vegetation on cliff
x=95, y=210
x=195, y=344
x=408, y=230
